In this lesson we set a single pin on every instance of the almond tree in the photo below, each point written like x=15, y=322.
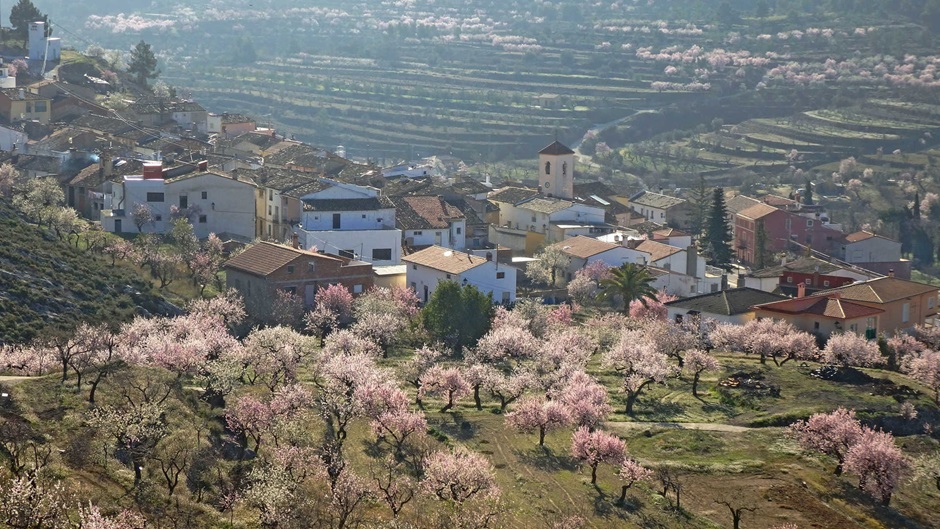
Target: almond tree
x=383, y=329
x=458, y=476
x=630, y=473
x=927, y=467
x=596, y=447
x=256, y=419
x=534, y=413
x=449, y=381
x=925, y=368
x=91, y=518
x=98, y=357
x=833, y=434
x=507, y=388
x=413, y=370
x=765, y=338
x=391, y=420
x=654, y=309
x=586, y=400
x=850, y=350
x=338, y=380
x=394, y=489
x=878, y=463
x=348, y=343
x=273, y=354
x=696, y=363
x=333, y=307
x=636, y=359
x=33, y=503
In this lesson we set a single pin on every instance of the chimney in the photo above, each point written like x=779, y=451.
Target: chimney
x=204, y=165
x=153, y=170
x=691, y=261
x=891, y=272
x=801, y=290
x=295, y=240
x=837, y=295
x=489, y=256
x=106, y=165
x=22, y=94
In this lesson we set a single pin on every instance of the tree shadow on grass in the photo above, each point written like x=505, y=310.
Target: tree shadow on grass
x=658, y=411
x=456, y=426
x=608, y=507
x=544, y=458
x=713, y=407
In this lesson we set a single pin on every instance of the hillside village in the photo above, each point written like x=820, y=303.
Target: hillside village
x=327, y=286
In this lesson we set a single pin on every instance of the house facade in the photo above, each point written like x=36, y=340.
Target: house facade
x=824, y=315
x=662, y=209
x=429, y=220
x=905, y=303
x=18, y=104
x=583, y=251
x=262, y=269
x=351, y=221
x=428, y=267
x=733, y=305
x=527, y=220
x=780, y=229
x=874, y=252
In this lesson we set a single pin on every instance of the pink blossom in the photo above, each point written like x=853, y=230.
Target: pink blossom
x=458, y=476
x=596, y=447
x=878, y=463
x=831, y=433
x=849, y=349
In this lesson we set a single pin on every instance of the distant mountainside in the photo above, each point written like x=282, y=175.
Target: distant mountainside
x=47, y=285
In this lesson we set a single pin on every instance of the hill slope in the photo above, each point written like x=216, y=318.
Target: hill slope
x=46, y=284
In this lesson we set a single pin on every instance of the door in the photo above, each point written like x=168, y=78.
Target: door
x=184, y=201
x=425, y=293
x=117, y=226
x=336, y=223
x=310, y=293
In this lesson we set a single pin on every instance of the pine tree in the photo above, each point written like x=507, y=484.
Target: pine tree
x=22, y=15
x=699, y=200
x=143, y=63
x=718, y=233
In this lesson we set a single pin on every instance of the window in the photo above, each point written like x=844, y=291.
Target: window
x=458, y=231
x=336, y=221
x=158, y=218
x=202, y=219
x=500, y=275
x=548, y=167
x=905, y=312
x=40, y=106
x=154, y=197
x=448, y=276
x=184, y=201
x=419, y=233
x=533, y=218
x=815, y=325
x=871, y=322
x=825, y=282
x=290, y=269
x=290, y=290
x=789, y=279
x=363, y=216
x=381, y=254
x=789, y=223
x=357, y=289
x=205, y=195
x=414, y=267
x=270, y=194
x=931, y=301
x=853, y=327
x=662, y=214
x=311, y=266
x=349, y=254
x=270, y=211
x=809, y=223
x=808, y=281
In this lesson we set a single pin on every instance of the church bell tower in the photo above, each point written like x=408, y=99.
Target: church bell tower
x=556, y=171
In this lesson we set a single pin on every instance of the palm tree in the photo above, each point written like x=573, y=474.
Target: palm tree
x=630, y=282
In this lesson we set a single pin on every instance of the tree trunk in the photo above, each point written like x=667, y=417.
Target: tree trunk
x=736, y=519
x=65, y=370
x=94, y=387
x=137, y=473
x=623, y=494
x=593, y=474
x=450, y=402
x=541, y=436
x=695, y=385
x=632, y=396
x=476, y=397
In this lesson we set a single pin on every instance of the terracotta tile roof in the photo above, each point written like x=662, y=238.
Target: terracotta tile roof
x=778, y=201
x=657, y=250
x=757, y=211
x=726, y=302
x=424, y=212
x=739, y=203
x=348, y=204
x=513, y=195
x=445, y=259
x=828, y=306
x=669, y=232
x=656, y=200
x=583, y=247
x=556, y=148
x=265, y=258
x=864, y=236
x=546, y=205
x=881, y=290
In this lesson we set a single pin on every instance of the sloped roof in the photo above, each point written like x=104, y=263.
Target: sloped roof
x=513, y=195
x=348, y=204
x=665, y=233
x=658, y=250
x=881, y=290
x=583, y=247
x=556, y=148
x=265, y=258
x=739, y=203
x=445, y=259
x=827, y=306
x=424, y=212
x=726, y=302
x=778, y=201
x=596, y=187
x=546, y=204
x=288, y=181
x=656, y=200
x=864, y=236
x=757, y=211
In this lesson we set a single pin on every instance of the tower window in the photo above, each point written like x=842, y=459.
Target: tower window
x=564, y=168
x=548, y=167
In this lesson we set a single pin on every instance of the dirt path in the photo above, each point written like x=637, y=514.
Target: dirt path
x=705, y=426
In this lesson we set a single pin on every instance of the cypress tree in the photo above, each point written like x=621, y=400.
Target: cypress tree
x=808, y=195
x=718, y=233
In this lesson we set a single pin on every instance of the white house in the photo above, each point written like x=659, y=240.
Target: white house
x=662, y=209
x=673, y=237
x=582, y=251
x=215, y=203
x=734, y=305
x=10, y=138
x=682, y=260
x=427, y=220
x=42, y=47
x=672, y=282
x=351, y=221
x=428, y=267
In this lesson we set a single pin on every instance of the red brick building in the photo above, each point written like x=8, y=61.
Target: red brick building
x=781, y=228
x=264, y=268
